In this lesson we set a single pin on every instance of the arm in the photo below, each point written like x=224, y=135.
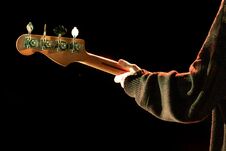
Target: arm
x=185, y=97
x=170, y=96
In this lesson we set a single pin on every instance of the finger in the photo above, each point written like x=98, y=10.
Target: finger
x=121, y=77
x=124, y=63
x=117, y=79
x=130, y=66
x=134, y=68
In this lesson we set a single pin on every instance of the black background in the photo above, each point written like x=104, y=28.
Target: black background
x=78, y=106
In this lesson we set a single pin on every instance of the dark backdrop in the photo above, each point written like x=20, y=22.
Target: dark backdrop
x=78, y=106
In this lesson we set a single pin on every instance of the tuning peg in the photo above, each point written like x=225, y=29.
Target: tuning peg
x=60, y=30
x=74, y=32
x=29, y=27
x=44, y=43
x=44, y=32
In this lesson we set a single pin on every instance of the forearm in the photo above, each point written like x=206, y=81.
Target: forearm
x=170, y=96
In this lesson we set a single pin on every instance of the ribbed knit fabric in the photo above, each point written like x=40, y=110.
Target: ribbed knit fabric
x=192, y=96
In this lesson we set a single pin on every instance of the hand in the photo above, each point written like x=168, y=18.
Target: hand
x=132, y=69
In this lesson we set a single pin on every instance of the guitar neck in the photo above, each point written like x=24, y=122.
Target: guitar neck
x=103, y=64
x=61, y=53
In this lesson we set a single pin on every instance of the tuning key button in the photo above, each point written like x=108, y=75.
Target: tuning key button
x=60, y=30
x=44, y=32
x=29, y=27
x=74, y=32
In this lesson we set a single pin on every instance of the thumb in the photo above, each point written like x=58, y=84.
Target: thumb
x=121, y=78
x=131, y=67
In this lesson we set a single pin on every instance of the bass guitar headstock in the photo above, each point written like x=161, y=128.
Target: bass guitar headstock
x=62, y=50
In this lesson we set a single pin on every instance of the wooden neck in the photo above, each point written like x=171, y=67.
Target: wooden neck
x=64, y=57
x=103, y=64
